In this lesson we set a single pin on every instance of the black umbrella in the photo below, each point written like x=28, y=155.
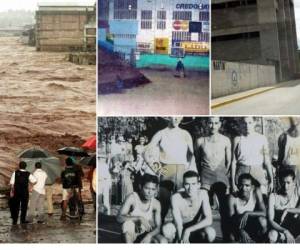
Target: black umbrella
x=34, y=153
x=88, y=161
x=72, y=151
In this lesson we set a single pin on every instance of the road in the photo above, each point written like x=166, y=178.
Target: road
x=280, y=101
x=165, y=95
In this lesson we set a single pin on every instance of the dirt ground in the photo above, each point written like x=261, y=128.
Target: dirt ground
x=46, y=101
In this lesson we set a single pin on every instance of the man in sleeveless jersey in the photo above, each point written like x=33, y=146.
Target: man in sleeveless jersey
x=192, y=212
x=289, y=149
x=140, y=213
x=251, y=156
x=284, y=210
x=247, y=212
x=175, y=157
x=214, y=154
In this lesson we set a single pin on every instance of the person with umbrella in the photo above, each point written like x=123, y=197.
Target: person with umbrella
x=19, y=182
x=70, y=178
x=38, y=194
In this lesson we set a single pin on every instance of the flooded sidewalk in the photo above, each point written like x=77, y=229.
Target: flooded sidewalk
x=53, y=231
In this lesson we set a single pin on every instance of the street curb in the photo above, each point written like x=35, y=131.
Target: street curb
x=217, y=105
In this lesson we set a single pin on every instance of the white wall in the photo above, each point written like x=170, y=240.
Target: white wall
x=249, y=76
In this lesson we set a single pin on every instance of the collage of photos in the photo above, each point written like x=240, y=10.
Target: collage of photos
x=47, y=122
x=149, y=121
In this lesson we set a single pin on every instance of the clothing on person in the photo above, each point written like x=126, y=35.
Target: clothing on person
x=136, y=230
x=37, y=199
x=20, y=181
x=49, y=197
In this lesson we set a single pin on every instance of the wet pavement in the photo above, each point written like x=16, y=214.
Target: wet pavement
x=53, y=231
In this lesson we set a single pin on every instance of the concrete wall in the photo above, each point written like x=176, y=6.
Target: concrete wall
x=229, y=78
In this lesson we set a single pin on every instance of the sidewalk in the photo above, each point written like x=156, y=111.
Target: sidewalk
x=54, y=231
x=221, y=101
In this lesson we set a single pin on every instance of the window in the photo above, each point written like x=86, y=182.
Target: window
x=125, y=9
x=181, y=36
x=146, y=19
x=203, y=16
x=203, y=37
x=182, y=15
x=125, y=36
x=248, y=35
x=233, y=4
x=161, y=19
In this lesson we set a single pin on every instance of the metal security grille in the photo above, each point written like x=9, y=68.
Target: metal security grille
x=203, y=16
x=125, y=9
x=182, y=15
x=203, y=37
x=146, y=19
x=181, y=36
x=161, y=19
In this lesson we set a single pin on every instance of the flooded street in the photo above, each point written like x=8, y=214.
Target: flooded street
x=53, y=231
x=165, y=95
x=46, y=101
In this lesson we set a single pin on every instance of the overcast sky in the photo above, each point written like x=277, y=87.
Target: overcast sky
x=32, y=4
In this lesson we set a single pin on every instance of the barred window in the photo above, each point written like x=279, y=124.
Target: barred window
x=203, y=16
x=125, y=36
x=161, y=14
x=203, y=37
x=125, y=9
x=146, y=19
x=182, y=15
x=181, y=36
x=161, y=25
x=146, y=14
x=161, y=19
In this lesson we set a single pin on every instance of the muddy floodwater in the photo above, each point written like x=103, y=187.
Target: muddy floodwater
x=49, y=102
x=45, y=101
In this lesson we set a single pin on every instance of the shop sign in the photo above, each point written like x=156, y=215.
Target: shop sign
x=195, y=47
x=161, y=45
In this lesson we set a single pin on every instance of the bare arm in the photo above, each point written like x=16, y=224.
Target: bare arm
x=231, y=206
x=233, y=163
x=271, y=215
x=268, y=164
x=261, y=208
x=175, y=203
x=228, y=155
x=123, y=214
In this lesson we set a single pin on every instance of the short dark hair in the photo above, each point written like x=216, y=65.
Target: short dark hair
x=245, y=177
x=38, y=165
x=69, y=161
x=190, y=174
x=22, y=165
x=149, y=178
x=285, y=173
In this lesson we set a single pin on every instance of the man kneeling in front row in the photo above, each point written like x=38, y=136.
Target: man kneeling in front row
x=140, y=213
x=247, y=212
x=192, y=212
x=284, y=210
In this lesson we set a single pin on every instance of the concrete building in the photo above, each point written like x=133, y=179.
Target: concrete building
x=256, y=31
x=161, y=27
x=65, y=27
